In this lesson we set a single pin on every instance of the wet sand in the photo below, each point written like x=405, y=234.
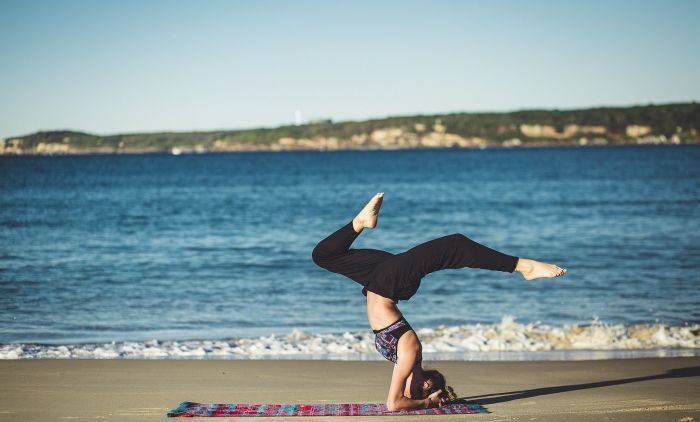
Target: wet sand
x=663, y=389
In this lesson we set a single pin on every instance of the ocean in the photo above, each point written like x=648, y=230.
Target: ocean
x=209, y=255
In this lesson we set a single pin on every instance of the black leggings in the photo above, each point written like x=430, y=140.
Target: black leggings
x=398, y=276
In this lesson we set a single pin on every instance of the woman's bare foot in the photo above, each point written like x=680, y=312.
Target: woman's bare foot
x=531, y=269
x=367, y=218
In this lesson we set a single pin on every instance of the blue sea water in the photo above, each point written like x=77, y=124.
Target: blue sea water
x=113, y=248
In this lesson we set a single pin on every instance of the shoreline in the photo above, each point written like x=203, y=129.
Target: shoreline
x=264, y=148
x=506, y=340
x=371, y=356
x=649, y=389
x=672, y=123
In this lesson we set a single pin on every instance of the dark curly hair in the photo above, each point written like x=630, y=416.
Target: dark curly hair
x=438, y=383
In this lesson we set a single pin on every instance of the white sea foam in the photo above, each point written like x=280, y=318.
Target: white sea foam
x=505, y=340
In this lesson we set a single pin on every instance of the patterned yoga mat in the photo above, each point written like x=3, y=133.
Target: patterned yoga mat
x=190, y=409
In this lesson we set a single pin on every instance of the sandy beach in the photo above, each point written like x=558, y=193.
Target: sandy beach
x=663, y=389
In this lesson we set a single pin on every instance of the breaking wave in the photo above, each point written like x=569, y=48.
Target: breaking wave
x=501, y=341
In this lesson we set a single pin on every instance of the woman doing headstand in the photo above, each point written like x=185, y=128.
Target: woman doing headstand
x=387, y=278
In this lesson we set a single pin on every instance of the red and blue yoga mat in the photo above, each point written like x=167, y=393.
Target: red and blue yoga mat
x=190, y=409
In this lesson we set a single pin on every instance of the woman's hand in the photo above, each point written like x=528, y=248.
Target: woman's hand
x=434, y=400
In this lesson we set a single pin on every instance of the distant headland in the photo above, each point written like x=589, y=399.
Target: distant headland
x=648, y=124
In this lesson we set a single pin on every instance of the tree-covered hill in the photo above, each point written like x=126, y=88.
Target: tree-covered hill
x=669, y=123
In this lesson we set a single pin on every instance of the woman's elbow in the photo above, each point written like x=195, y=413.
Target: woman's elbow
x=391, y=406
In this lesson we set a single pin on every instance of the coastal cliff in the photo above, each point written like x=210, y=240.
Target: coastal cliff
x=652, y=124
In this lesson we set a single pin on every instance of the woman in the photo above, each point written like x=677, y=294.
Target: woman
x=387, y=278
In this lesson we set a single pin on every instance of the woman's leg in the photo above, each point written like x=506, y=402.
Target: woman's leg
x=334, y=254
x=459, y=251
x=455, y=251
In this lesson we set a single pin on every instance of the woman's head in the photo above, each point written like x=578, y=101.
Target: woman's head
x=433, y=381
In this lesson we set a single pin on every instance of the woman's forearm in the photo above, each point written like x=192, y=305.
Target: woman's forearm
x=404, y=403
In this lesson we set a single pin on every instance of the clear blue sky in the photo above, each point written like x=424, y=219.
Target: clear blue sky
x=130, y=66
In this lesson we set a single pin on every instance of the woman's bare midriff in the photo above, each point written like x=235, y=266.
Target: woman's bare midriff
x=381, y=311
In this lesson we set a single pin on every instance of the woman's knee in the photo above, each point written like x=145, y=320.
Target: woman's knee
x=319, y=256
x=459, y=238
x=460, y=241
